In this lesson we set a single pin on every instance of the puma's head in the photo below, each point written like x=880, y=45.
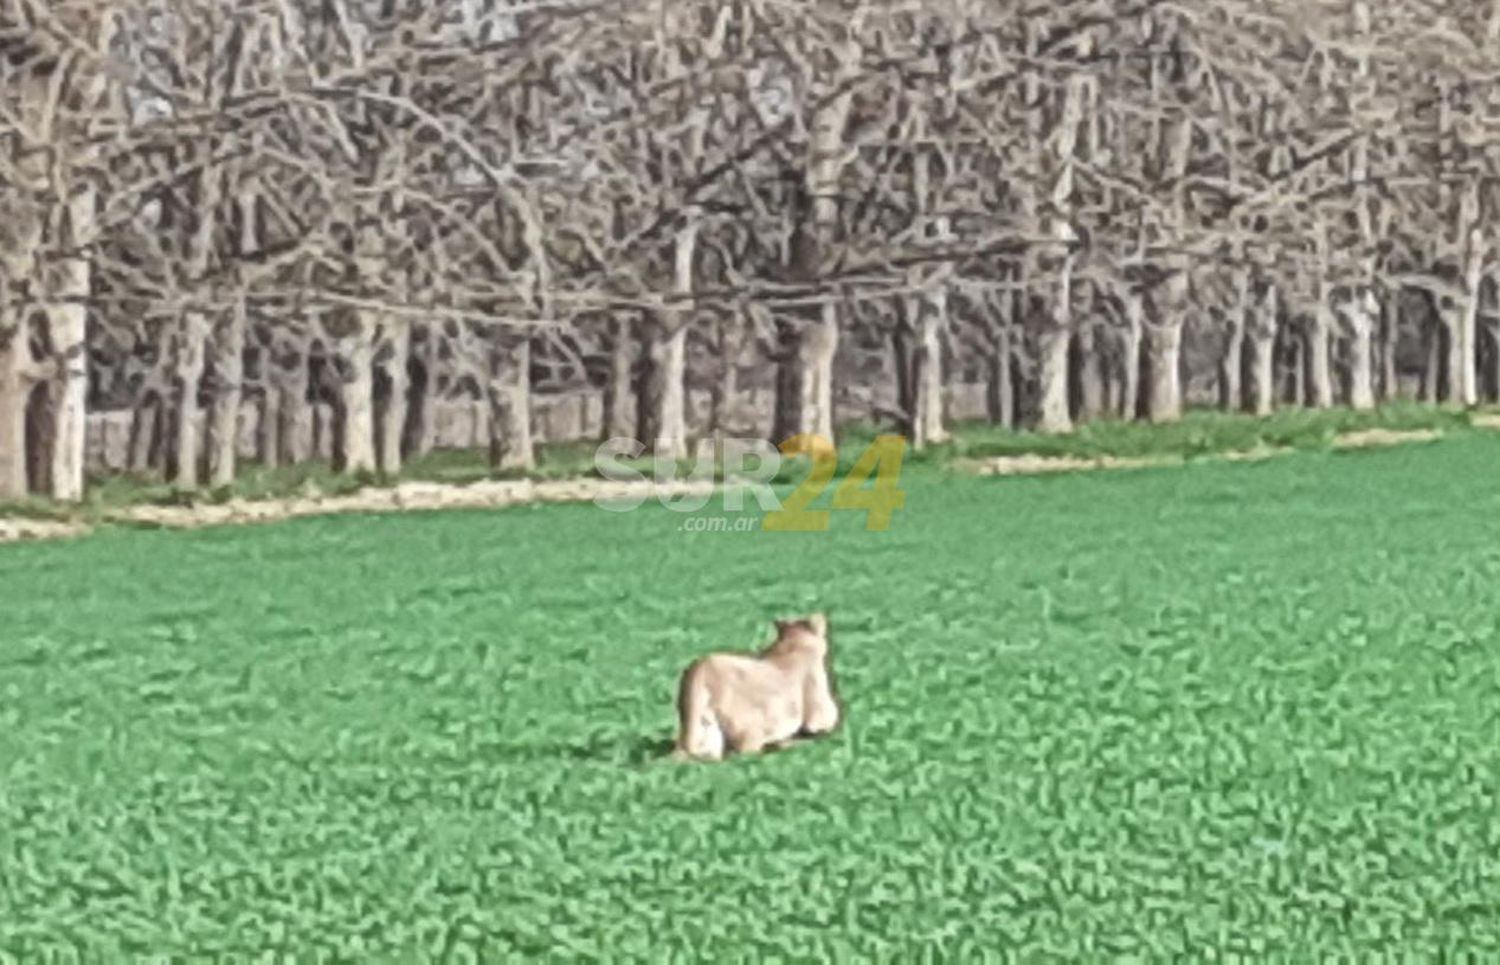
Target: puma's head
x=810, y=630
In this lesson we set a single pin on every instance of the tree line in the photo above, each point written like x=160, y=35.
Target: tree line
x=209, y=208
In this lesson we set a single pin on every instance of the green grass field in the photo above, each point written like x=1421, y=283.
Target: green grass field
x=1232, y=709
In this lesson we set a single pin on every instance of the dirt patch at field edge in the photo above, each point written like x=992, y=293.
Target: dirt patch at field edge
x=1486, y=420
x=405, y=497
x=1254, y=455
x=1033, y=465
x=1374, y=438
x=20, y=530
x=1030, y=465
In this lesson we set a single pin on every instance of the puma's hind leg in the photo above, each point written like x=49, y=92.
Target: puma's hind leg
x=700, y=738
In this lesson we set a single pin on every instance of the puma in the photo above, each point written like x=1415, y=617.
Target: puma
x=746, y=703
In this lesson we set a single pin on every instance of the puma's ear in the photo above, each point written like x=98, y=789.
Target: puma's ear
x=819, y=623
x=782, y=626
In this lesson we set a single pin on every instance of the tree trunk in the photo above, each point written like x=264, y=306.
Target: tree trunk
x=1296, y=369
x=617, y=394
x=268, y=430
x=1001, y=395
x=38, y=437
x=354, y=435
x=822, y=343
x=926, y=407
x=1432, y=368
x=1491, y=332
x=1390, y=332
x=1163, y=356
x=67, y=408
x=1317, y=358
x=67, y=321
x=1466, y=324
x=228, y=393
x=15, y=387
x=1260, y=340
x=1131, y=343
x=145, y=429
x=786, y=420
x=187, y=381
x=1053, y=351
x=1261, y=397
x=903, y=358
x=509, y=394
x=1452, y=358
x=296, y=413
x=805, y=393
x=1232, y=362
x=664, y=422
x=391, y=417
x=804, y=403
x=420, y=432
x=726, y=392
x=1090, y=369
x=663, y=403
x=1360, y=316
x=1231, y=368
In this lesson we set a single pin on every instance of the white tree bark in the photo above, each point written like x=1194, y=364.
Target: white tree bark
x=295, y=412
x=67, y=323
x=268, y=430
x=927, y=371
x=224, y=417
x=391, y=419
x=1053, y=349
x=1163, y=357
x=1265, y=311
x=664, y=428
x=820, y=344
x=146, y=433
x=1317, y=356
x=1132, y=340
x=1001, y=395
x=810, y=407
x=1390, y=331
x=16, y=382
x=1360, y=314
x=1232, y=361
x=618, y=407
x=187, y=379
x=1464, y=371
x=18, y=371
x=1091, y=384
x=731, y=333
x=509, y=393
x=1161, y=349
x=355, y=413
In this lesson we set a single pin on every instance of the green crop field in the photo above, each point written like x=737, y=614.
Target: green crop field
x=1231, y=709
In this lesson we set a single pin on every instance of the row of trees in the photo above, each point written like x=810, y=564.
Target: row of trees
x=208, y=208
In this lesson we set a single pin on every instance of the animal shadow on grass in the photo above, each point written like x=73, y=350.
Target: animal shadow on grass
x=629, y=750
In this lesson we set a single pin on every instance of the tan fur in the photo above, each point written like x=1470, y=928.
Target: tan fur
x=745, y=703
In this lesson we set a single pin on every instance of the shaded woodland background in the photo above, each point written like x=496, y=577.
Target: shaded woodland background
x=283, y=229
